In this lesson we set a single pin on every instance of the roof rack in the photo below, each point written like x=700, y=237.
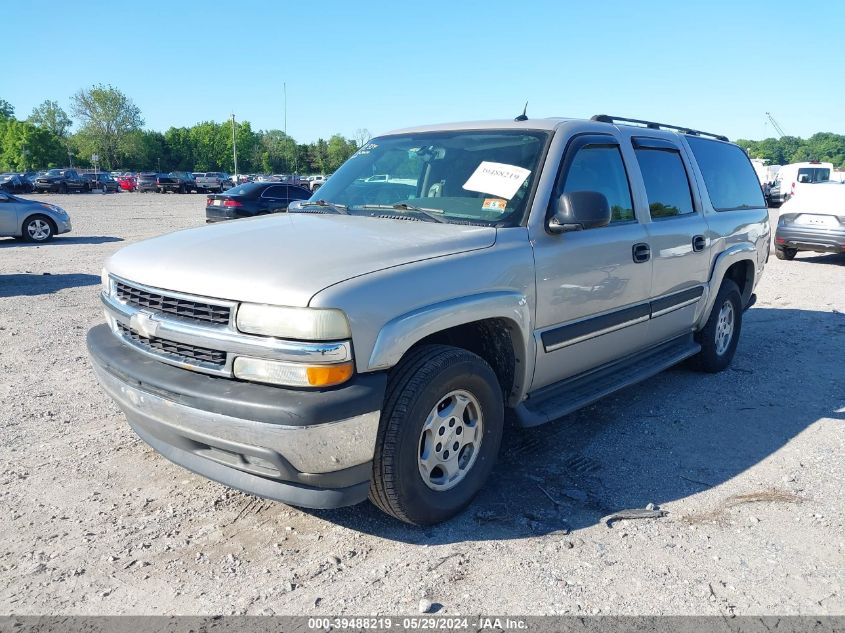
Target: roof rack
x=605, y=118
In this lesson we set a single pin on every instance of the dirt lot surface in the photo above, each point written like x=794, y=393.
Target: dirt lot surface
x=748, y=463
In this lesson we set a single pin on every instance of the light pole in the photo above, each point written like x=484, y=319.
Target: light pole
x=288, y=139
x=159, y=164
x=234, y=148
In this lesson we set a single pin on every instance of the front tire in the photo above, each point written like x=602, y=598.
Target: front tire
x=38, y=229
x=720, y=335
x=439, y=434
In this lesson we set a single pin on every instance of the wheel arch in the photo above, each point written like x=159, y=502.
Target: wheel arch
x=493, y=325
x=736, y=263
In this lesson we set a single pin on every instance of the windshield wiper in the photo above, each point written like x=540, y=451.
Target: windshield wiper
x=404, y=207
x=337, y=208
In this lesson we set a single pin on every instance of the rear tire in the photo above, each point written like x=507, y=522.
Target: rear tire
x=787, y=254
x=720, y=335
x=63, y=188
x=38, y=229
x=413, y=438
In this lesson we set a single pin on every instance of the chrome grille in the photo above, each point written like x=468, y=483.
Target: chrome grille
x=179, y=307
x=181, y=351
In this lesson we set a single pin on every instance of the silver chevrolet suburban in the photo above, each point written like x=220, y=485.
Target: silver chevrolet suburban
x=368, y=342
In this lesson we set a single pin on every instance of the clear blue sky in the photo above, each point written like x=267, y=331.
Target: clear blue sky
x=717, y=65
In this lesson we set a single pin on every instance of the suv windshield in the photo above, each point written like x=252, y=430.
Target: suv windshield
x=55, y=172
x=482, y=176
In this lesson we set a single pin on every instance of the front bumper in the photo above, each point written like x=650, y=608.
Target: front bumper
x=62, y=225
x=804, y=238
x=305, y=448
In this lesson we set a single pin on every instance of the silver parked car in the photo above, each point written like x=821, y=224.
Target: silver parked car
x=367, y=342
x=31, y=220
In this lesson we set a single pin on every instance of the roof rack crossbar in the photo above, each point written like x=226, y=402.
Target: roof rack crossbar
x=605, y=118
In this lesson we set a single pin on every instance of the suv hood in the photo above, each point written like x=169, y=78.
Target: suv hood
x=286, y=259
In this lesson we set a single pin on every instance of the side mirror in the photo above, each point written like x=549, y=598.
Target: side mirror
x=579, y=210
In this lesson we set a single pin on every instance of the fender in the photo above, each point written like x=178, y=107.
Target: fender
x=400, y=334
x=727, y=258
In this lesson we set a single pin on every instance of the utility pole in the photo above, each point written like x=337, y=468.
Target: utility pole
x=234, y=148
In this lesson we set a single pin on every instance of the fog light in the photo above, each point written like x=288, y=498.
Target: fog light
x=291, y=374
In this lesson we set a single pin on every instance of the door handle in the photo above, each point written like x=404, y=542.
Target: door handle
x=641, y=252
x=699, y=242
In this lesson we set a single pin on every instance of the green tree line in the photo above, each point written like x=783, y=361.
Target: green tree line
x=823, y=146
x=110, y=125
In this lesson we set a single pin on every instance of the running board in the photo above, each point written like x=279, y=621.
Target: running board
x=559, y=399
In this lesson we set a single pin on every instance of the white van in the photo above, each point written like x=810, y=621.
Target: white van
x=795, y=175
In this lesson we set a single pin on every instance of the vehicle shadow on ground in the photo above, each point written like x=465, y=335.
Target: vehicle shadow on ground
x=835, y=259
x=30, y=285
x=670, y=437
x=60, y=240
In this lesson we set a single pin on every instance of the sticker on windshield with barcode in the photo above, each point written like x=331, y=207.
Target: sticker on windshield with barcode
x=498, y=179
x=494, y=204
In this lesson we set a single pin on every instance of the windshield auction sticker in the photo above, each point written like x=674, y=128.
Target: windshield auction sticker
x=498, y=179
x=494, y=204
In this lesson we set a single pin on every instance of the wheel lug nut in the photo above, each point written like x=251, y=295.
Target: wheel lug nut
x=455, y=446
x=451, y=423
x=445, y=454
x=438, y=447
x=441, y=430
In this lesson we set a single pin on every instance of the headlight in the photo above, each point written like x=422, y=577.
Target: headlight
x=291, y=374
x=309, y=324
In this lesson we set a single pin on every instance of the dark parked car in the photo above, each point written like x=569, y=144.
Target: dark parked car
x=251, y=199
x=147, y=182
x=102, y=181
x=176, y=181
x=61, y=181
x=14, y=183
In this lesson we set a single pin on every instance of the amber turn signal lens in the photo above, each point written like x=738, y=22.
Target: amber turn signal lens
x=329, y=375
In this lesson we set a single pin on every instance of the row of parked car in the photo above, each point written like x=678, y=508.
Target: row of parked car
x=57, y=181
x=72, y=180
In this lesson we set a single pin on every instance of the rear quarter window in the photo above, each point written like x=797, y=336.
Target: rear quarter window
x=728, y=175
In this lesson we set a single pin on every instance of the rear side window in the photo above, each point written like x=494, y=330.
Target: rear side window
x=728, y=175
x=666, y=182
x=276, y=192
x=298, y=193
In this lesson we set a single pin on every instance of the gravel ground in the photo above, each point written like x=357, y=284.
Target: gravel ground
x=748, y=463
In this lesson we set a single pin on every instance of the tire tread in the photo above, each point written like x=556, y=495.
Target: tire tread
x=402, y=388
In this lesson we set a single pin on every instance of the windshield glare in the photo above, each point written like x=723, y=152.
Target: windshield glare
x=480, y=176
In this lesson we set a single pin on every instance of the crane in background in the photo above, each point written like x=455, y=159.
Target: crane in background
x=775, y=125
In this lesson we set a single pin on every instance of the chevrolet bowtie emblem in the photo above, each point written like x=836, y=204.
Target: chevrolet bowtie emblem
x=144, y=324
